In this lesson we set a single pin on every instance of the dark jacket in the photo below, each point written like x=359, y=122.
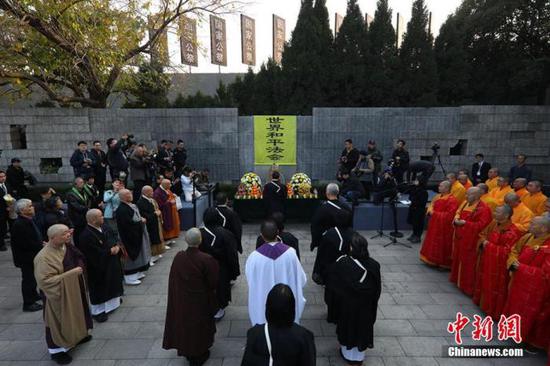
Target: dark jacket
x=483, y=172
x=139, y=169
x=100, y=165
x=131, y=232
x=147, y=211
x=116, y=158
x=520, y=172
x=352, y=184
x=180, y=158
x=81, y=168
x=403, y=162
x=15, y=179
x=26, y=241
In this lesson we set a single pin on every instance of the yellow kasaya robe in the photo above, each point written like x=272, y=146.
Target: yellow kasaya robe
x=522, y=192
x=498, y=194
x=468, y=184
x=64, y=309
x=458, y=190
x=522, y=217
x=536, y=202
x=492, y=183
x=490, y=201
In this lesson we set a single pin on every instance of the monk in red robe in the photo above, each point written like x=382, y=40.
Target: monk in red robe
x=529, y=291
x=167, y=204
x=438, y=242
x=495, y=245
x=471, y=218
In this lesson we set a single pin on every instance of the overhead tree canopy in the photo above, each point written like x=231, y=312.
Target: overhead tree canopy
x=77, y=50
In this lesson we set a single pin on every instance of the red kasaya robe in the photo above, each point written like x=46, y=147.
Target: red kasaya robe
x=492, y=278
x=477, y=217
x=529, y=291
x=438, y=242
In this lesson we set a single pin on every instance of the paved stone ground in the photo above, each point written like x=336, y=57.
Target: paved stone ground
x=416, y=304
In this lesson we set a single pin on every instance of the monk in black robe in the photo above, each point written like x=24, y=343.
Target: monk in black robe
x=274, y=195
x=335, y=243
x=148, y=208
x=284, y=236
x=326, y=215
x=99, y=245
x=280, y=339
x=220, y=244
x=230, y=219
x=355, y=280
x=192, y=303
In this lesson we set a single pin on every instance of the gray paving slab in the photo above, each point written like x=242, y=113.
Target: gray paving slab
x=416, y=304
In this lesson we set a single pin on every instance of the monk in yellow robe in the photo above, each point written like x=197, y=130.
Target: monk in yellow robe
x=503, y=187
x=457, y=189
x=465, y=181
x=492, y=181
x=519, y=186
x=486, y=197
x=522, y=215
x=535, y=200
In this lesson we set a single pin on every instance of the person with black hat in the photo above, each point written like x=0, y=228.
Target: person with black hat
x=81, y=161
x=15, y=179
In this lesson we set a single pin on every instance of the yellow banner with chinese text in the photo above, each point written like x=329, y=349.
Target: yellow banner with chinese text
x=275, y=140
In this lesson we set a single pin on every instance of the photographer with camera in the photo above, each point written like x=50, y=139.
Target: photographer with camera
x=385, y=185
x=188, y=181
x=165, y=156
x=420, y=170
x=348, y=159
x=116, y=157
x=81, y=161
x=139, y=171
x=401, y=160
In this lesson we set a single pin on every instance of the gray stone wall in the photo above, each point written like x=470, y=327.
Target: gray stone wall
x=223, y=142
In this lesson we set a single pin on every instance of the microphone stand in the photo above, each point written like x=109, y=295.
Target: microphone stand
x=395, y=234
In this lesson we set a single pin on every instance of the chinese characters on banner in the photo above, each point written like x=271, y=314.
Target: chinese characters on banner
x=279, y=37
x=275, y=140
x=338, y=20
x=218, y=42
x=248, y=40
x=188, y=41
x=159, y=49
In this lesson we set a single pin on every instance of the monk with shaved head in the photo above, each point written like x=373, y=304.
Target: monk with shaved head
x=437, y=246
x=522, y=215
x=535, y=200
x=166, y=201
x=471, y=218
x=528, y=294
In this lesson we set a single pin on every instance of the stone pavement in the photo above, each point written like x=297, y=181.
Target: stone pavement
x=416, y=304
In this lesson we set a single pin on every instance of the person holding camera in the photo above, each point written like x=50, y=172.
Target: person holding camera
x=401, y=160
x=81, y=161
x=349, y=158
x=188, y=180
x=385, y=186
x=139, y=171
x=165, y=156
x=116, y=157
x=352, y=189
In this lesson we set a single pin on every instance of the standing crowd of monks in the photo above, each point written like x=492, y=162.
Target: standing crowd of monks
x=495, y=239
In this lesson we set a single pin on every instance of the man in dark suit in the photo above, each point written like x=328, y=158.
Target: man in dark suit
x=3, y=210
x=26, y=242
x=81, y=161
x=139, y=171
x=165, y=156
x=100, y=167
x=480, y=170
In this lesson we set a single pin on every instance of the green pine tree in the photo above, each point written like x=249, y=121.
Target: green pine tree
x=148, y=87
x=267, y=96
x=242, y=90
x=326, y=39
x=348, y=74
x=452, y=64
x=418, y=68
x=382, y=61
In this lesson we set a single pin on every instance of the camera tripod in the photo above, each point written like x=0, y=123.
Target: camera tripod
x=438, y=157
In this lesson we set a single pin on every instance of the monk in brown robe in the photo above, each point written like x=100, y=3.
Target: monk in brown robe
x=167, y=204
x=470, y=219
x=58, y=269
x=192, y=302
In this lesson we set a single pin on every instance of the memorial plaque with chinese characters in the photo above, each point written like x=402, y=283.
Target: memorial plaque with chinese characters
x=248, y=40
x=159, y=49
x=218, y=43
x=275, y=140
x=188, y=41
x=279, y=38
